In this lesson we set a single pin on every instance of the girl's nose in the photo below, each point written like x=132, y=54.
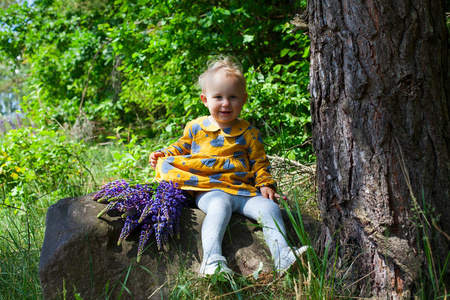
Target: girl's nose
x=226, y=102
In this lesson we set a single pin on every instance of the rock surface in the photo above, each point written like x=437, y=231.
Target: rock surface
x=80, y=252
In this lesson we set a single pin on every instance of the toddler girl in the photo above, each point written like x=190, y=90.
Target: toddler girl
x=222, y=158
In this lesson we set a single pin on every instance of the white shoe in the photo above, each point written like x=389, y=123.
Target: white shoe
x=210, y=265
x=288, y=259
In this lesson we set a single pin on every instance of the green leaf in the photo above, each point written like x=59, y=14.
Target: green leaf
x=117, y=156
x=248, y=38
x=284, y=52
x=306, y=52
x=277, y=68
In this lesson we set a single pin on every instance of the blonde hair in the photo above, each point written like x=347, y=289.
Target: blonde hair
x=227, y=63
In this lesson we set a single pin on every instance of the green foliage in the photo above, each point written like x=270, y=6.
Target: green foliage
x=279, y=100
x=135, y=63
x=35, y=162
x=129, y=159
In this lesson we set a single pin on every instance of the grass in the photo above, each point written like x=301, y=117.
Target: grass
x=19, y=247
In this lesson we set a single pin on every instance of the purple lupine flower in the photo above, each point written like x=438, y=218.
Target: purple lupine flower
x=145, y=235
x=111, y=190
x=155, y=208
x=146, y=212
x=110, y=206
x=128, y=227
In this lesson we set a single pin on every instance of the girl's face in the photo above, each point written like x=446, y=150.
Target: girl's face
x=224, y=96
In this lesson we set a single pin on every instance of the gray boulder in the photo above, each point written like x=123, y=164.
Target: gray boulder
x=80, y=253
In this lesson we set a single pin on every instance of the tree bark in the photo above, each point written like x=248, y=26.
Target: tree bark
x=380, y=115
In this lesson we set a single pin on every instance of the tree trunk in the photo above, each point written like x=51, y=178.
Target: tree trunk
x=381, y=128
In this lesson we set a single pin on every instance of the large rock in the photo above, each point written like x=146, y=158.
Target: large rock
x=80, y=253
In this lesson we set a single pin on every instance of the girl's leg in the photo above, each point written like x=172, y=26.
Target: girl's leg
x=268, y=214
x=218, y=207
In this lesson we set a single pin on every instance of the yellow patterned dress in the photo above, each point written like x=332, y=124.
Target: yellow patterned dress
x=209, y=158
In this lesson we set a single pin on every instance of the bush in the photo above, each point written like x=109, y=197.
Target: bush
x=34, y=162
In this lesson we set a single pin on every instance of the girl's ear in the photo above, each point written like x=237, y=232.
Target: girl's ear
x=204, y=99
x=245, y=98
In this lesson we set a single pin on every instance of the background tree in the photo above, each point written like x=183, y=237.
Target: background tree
x=5, y=3
x=135, y=64
x=11, y=78
x=381, y=130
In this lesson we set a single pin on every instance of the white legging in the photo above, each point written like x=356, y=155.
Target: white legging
x=218, y=207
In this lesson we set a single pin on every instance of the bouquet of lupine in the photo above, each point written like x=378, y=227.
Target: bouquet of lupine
x=154, y=207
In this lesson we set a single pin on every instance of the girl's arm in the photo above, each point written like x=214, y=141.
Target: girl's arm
x=260, y=165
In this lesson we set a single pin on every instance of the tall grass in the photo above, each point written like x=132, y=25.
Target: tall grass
x=431, y=285
x=314, y=278
x=20, y=245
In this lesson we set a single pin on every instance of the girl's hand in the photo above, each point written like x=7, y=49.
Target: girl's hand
x=269, y=193
x=154, y=158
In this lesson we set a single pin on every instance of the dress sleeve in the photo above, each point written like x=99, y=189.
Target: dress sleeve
x=260, y=163
x=182, y=146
